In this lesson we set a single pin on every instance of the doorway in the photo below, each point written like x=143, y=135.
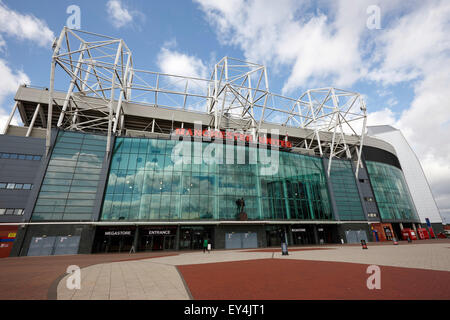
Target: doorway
x=109, y=240
x=303, y=235
x=156, y=242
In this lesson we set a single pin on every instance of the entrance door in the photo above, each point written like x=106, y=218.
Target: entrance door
x=158, y=242
x=146, y=243
x=122, y=243
x=302, y=235
x=169, y=242
x=41, y=246
x=355, y=236
x=241, y=240
x=388, y=233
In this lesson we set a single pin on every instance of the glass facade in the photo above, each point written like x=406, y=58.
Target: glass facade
x=147, y=181
x=345, y=191
x=70, y=184
x=391, y=192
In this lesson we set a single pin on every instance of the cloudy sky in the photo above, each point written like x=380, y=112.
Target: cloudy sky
x=401, y=66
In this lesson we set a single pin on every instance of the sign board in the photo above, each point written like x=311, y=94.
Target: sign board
x=161, y=232
x=299, y=230
x=118, y=233
x=428, y=222
x=11, y=235
x=229, y=135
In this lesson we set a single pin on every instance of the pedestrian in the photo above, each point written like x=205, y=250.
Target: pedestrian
x=205, y=245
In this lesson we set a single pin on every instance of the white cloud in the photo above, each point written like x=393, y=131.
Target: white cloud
x=24, y=27
x=9, y=82
x=120, y=16
x=317, y=48
x=171, y=61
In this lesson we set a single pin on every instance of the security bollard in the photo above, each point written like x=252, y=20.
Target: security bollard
x=363, y=244
x=284, y=249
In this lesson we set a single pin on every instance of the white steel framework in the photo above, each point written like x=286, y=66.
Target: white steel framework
x=236, y=96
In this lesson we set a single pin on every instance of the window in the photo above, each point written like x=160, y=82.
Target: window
x=14, y=156
x=15, y=186
x=16, y=212
x=362, y=180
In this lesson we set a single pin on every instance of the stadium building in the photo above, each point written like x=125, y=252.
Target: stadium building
x=111, y=158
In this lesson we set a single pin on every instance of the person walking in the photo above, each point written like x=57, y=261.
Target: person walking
x=205, y=245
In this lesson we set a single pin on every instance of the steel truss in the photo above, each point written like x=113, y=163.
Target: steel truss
x=236, y=96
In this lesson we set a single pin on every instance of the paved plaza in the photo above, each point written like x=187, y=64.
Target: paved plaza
x=420, y=270
x=234, y=274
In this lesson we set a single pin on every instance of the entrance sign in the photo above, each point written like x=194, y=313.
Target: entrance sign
x=167, y=232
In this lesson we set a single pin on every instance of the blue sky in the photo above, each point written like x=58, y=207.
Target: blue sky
x=402, y=68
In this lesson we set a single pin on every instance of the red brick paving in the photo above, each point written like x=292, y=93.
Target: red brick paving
x=27, y=278
x=285, y=279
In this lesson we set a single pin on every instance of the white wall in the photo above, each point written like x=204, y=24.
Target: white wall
x=415, y=178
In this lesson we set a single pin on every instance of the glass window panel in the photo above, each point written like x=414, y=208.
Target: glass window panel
x=52, y=188
x=83, y=189
x=184, y=207
x=175, y=206
x=78, y=209
x=143, y=145
x=140, y=161
x=86, y=147
x=75, y=216
x=61, y=169
x=134, y=207
x=144, y=208
x=84, y=195
x=80, y=202
x=82, y=176
x=155, y=206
